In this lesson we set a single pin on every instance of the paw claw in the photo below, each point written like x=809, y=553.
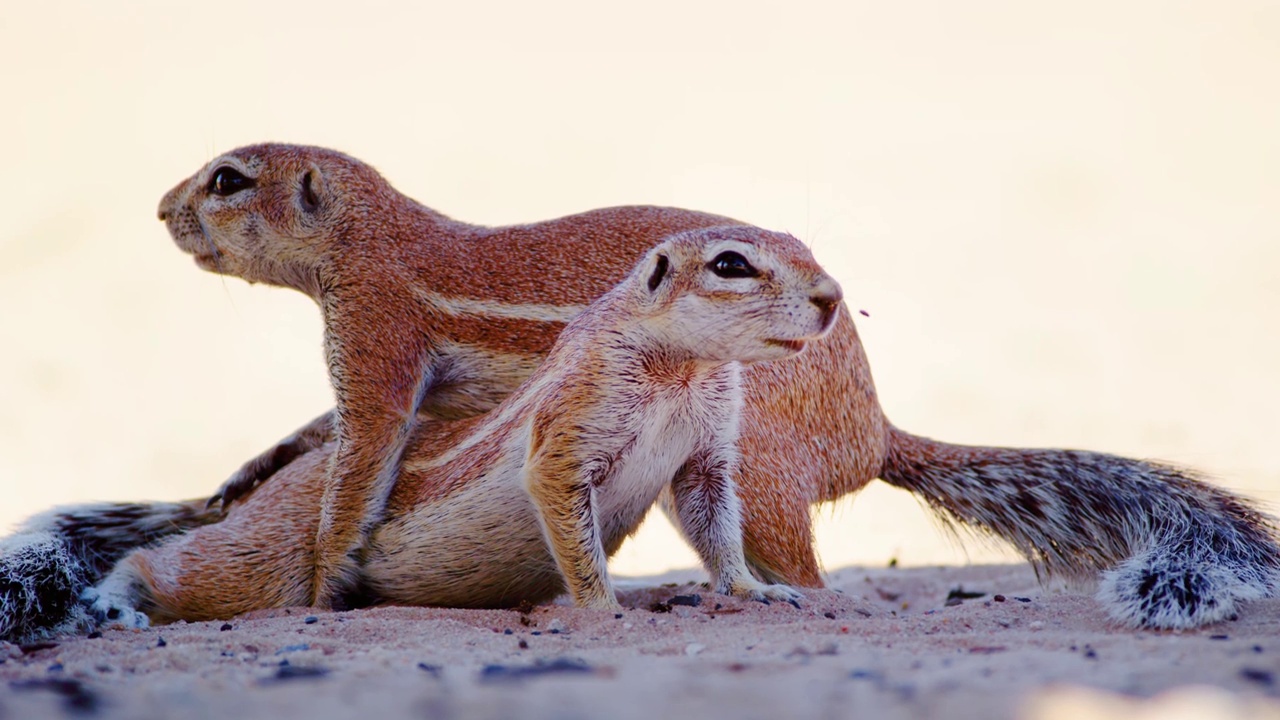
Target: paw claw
x=107, y=612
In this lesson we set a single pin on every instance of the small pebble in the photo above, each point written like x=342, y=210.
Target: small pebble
x=1022, y=599
x=311, y=620
x=160, y=642
x=829, y=615
x=297, y=672
x=617, y=616
x=507, y=631
x=1257, y=648
x=999, y=598
x=225, y=627
x=523, y=644
x=1262, y=677
x=499, y=673
x=536, y=632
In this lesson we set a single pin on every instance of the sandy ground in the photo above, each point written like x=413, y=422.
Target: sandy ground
x=882, y=643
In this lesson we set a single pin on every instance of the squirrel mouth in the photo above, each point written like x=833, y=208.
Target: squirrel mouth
x=208, y=261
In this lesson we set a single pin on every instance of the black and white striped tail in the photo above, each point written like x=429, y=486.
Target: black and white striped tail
x=54, y=556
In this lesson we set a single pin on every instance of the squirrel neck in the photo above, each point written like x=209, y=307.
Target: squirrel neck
x=613, y=326
x=396, y=234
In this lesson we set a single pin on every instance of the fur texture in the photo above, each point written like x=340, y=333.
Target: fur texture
x=431, y=316
x=1176, y=552
x=56, y=555
x=640, y=395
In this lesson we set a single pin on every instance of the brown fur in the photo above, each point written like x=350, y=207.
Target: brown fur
x=379, y=252
x=429, y=315
x=638, y=396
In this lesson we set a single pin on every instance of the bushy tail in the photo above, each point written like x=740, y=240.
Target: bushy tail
x=1174, y=551
x=56, y=555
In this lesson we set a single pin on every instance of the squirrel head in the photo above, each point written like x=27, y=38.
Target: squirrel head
x=734, y=293
x=271, y=213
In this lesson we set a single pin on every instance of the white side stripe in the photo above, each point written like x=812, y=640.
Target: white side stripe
x=508, y=311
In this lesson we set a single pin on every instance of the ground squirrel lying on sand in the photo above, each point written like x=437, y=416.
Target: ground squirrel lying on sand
x=640, y=395
x=473, y=309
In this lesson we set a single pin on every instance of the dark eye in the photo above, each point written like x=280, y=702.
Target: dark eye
x=227, y=181
x=732, y=265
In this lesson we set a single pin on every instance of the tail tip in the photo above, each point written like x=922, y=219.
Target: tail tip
x=1176, y=594
x=40, y=582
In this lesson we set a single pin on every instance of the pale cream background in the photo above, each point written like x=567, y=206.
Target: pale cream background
x=1061, y=217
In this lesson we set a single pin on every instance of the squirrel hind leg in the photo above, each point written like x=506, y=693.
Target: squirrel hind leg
x=1164, y=589
x=40, y=580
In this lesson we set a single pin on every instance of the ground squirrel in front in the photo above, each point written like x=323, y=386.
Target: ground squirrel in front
x=640, y=395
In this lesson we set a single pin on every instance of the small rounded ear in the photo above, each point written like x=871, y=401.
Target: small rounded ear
x=659, y=272
x=311, y=189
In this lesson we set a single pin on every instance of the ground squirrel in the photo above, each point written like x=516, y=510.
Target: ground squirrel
x=484, y=305
x=640, y=395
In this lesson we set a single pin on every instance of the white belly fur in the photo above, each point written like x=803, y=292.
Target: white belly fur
x=447, y=552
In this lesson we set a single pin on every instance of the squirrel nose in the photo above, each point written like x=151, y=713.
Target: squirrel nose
x=826, y=297
x=826, y=294
x=169, y=203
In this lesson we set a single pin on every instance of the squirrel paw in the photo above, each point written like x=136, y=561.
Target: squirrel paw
x=241, y=483
x=260, y=469
x=109, y=609
x=764, y=593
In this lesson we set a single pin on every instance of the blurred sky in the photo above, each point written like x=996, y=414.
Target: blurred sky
x=1061, y=217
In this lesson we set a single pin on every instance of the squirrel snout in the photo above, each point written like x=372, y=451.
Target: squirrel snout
x=826, y=297
x=169, y=203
